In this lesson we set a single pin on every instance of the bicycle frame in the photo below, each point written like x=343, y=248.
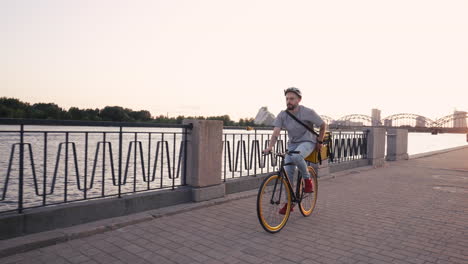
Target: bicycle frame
x=270, y=199
x=283, y=174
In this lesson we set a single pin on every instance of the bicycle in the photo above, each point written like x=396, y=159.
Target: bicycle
x=272, y=190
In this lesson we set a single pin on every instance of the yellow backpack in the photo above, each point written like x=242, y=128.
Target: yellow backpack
x=325, y=151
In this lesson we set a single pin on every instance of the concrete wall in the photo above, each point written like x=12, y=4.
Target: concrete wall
x=321, y=169
x=336, y=167
x=48, y=218
x=245, y=183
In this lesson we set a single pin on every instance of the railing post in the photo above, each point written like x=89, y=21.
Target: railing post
x=65, y=191
x=397, y=144
x=376, y=146
x=120, y=162
x=44, y=178
x=184, y=167
x=21, y=171
x=86, y=167
x=254, y=153
x=204, y=159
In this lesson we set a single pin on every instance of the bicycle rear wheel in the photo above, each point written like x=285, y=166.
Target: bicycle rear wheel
x=309, y=200
x=273, y=194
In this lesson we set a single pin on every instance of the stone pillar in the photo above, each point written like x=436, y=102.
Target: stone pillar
x=397, y=144
x=376, y=146
x=204, y=158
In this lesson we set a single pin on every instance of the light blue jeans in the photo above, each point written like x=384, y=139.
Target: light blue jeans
x=305, y=148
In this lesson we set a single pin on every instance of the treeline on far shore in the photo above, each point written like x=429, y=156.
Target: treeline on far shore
x=14, y=108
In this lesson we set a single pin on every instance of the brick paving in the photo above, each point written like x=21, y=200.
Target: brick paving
x=412, y=211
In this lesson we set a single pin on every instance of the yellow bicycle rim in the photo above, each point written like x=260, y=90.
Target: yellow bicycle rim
x=309, y=200
x=286, y=191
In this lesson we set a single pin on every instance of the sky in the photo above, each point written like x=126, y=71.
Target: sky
x=216, y=57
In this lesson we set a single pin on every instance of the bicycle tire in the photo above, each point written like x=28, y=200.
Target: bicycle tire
x=268, y=206
x=309, y=200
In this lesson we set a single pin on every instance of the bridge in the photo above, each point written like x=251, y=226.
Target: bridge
x=452, y=123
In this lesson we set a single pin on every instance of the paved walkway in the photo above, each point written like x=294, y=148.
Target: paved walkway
x=412, y=211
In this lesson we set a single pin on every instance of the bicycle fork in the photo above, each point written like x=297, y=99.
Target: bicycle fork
x=272, y=201
x=294, y=199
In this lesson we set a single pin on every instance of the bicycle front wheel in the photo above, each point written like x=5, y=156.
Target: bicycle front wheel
x=273, y=195
x=309, y=200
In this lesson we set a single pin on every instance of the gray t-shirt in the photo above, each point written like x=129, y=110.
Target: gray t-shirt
x=296, y=132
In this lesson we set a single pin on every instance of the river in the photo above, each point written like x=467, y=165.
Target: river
x=425, y=142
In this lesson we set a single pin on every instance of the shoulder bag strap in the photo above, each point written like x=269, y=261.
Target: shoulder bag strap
x=302, y=123
x=308, y=128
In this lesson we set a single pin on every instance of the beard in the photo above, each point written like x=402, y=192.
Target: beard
x=291, y=107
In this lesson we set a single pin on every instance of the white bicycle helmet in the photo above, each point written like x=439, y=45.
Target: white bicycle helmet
x=293, y=90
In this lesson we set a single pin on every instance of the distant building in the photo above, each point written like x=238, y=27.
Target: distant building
x=420, y=121
x=376, y=117
x=459, y=119
x=388, y=122
x=264, y=117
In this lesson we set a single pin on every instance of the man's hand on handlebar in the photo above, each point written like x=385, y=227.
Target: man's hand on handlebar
x=267, y=151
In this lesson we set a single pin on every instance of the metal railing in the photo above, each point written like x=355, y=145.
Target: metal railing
x=95, y=160
x=242, y=150
x=349, y=145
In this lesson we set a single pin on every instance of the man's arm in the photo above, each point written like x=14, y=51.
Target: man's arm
x=274, y=137
x=323, y=127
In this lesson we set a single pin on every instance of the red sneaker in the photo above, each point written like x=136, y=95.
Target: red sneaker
x=283, y=210
x=309, y=188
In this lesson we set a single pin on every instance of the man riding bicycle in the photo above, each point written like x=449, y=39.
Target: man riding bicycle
x=300, y=139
